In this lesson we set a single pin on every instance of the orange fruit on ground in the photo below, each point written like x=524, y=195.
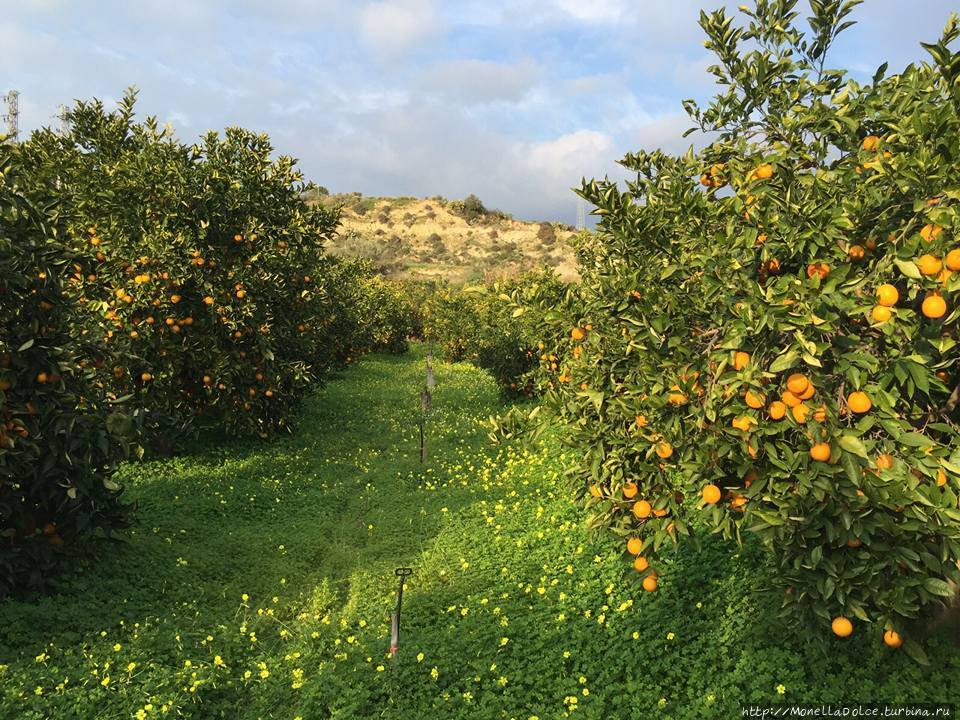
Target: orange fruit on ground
x=664, y=450
x=884, y=461
x=880, y=314
x=800, y=413
x=887, y=295
x=740, y=360
x=929, y=232
x=929, y=264
x=797, y=383
x=841, y=626
x=856, y=252
x=764, y=172
x=578, y=334
x=820, y=452
x=650, y=583
x=859, y=402
x=754, y=399
x=629, y=490
x=870, y=143
x=892, y=639
x=640, y=563
x=952, y=260
x=777, y=410
x=634, y=545
x=789, y=399
x=934, y=306
x=711, y=494
x=642, y=509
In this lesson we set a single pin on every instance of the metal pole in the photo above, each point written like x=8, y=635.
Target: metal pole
x=403, y=573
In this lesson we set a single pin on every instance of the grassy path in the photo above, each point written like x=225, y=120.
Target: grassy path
x=257, y=582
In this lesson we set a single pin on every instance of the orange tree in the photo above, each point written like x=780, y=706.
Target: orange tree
x=769, y=326
x=477, y=324
x=199, y=268
x=60, y=440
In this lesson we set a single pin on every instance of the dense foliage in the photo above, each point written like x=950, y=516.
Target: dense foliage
x=475, y=323
x=769, y=325
x=151, y=290
x=60, y=439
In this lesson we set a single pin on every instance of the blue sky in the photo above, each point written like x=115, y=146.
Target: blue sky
x=512, y=100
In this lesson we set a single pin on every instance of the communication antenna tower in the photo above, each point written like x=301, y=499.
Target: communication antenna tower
x=581, y=214
x=12, y=117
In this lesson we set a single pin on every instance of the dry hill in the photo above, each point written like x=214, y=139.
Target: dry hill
x=436, y=238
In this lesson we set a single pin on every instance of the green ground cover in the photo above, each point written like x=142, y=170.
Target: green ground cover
x=257, y=582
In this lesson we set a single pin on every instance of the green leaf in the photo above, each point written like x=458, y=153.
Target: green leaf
x=936, y=586
x=854, y=445
x=784, y=361
x=908, y=268
x=913, y=649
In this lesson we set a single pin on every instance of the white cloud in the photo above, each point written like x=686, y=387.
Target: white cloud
x=481, y=81
x=393, y=27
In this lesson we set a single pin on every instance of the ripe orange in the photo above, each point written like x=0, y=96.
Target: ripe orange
x=208, y=300
x=789, y=399
x=754, y=399
x=880, y=314
x=808, y=393
x=705, y=180
x=642, y=509
x=820, y=414
x=650, y=583
x=887, y=295
x=929, y=232
x=764, y=172
x=640, y=563
x=892, y=639
x=594, y=490
x=870, y=143
x=629, y=490
x=740, y=360
x=797, y=383
x=578, y=334
x=884, y=461
x=664, y=450
x=854, y=543
x=777, y=410
x=941, y=477
x=841, y=626
x=640, y=420
x=634, y=545
x=859, y=402
x=820, y=452
x=856, y=252
x=952, y=260
x=146, y=377
x=711, y=494
x=929, y=264
x=743, y=423
x=800, y=413
x=934, y=306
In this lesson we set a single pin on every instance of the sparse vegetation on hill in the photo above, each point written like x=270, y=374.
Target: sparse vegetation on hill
x=439, y=239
